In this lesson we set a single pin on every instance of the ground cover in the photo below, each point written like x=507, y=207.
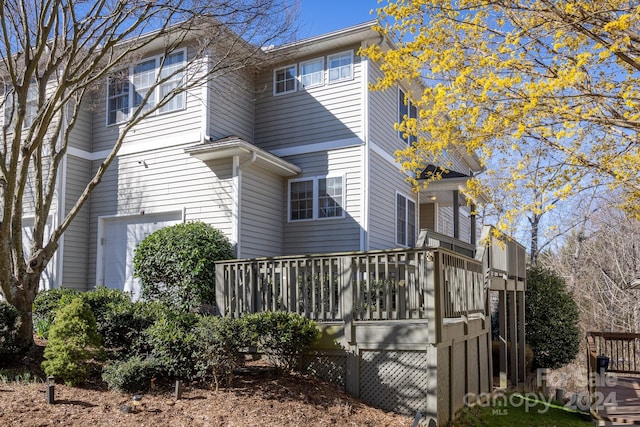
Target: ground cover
x=257, y=398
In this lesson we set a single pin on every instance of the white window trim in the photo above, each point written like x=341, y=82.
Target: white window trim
x=295, y=79
x=395, y=214
x=322, y=73
x=316, y=206
x=342, y=79
x=131, y=90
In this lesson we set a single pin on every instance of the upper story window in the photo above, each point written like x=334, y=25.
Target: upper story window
x=31, y=109
x=316, y=197
x=129, y=89
x=8, y=104
x=406, y=110
x=312, y=73
x=405, y=221
x=340, y=66
x=285, y=80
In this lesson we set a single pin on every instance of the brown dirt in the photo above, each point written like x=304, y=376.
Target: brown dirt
x=253, y=400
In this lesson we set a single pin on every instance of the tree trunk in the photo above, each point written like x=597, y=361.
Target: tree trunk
x=23, y=297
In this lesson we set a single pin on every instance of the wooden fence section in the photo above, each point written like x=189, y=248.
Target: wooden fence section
x=398, y=284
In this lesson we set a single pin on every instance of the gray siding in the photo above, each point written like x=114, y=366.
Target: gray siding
x=323, y=113
x=158, y=128
x=384, y=180
x=383, y=114
x=261, y=217
x=232, y=106
x=172, y=181
x=328, y=235
x=81, y=137
x=76, y=242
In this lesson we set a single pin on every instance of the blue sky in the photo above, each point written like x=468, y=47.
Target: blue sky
x=323, y=16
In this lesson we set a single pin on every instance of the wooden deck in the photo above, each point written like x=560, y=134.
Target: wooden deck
x=623, y=407
x=616, y=397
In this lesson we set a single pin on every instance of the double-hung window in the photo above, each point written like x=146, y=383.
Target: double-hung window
x=405, y=221
x=154, y=78
x=312, y=73
x=316, y=198
x=285, y=80
x=8, y=105
x=173, y=71
x=340, y=66
x=32, y=105
x=406, y=110
x=144, y=76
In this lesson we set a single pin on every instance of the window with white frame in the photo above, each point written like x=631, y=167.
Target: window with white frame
x=312, y=73
x=330, y=197
x=32, y=105
x=406, y=110
x=285, y=80
x=405, y=221
x=129, y=88
x=173, y=71
x=118, y=99
x=340, y=66
x=316, y=198
x=144, y=76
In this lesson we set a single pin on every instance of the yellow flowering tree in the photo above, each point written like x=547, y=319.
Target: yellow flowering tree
x=545, y=92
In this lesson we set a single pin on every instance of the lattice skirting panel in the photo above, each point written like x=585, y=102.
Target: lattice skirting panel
x=395, y=380
x=331, y=368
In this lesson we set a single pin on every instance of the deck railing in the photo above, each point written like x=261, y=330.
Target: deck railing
x=622, y=349
x=395, y=284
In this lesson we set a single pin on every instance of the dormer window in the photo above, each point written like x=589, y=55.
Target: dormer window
x=129, y=88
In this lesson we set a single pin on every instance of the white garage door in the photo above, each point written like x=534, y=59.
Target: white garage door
x=120, y=238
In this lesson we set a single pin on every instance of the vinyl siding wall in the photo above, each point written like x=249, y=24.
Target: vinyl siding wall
x=172, y=181
x=334, y=234
x=232, y=105
x=385, y=177
x=329, y=112
x=76, y=242
x=261, y=216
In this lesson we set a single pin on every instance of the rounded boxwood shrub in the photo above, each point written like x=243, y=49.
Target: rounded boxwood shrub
x=9, y=325
x=551, y=319
x=283, y=336
x=130, y=376
x=176, y=264
x=73, y=342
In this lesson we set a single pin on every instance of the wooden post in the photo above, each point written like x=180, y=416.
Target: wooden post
x=220, y=290
x=522, y=371
x=502, y=328
x=513, y=337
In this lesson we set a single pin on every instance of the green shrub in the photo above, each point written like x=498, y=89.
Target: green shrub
x=176, y=264
x=283, y=336
x=220, y=342
x=45, y=307
x=173, y=345
x=73, y=342
x=551, y=319
x=130, y=376
x=123, y=327
x=9, y=325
